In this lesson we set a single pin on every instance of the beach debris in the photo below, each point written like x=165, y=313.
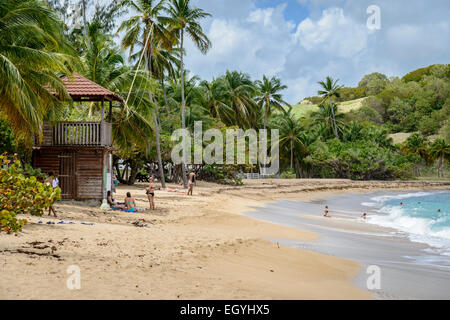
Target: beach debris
x=139, y=223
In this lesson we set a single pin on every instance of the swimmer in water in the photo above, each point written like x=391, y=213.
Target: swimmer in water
x=325, y=212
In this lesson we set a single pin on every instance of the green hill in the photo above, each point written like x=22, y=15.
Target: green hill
x=303, y=109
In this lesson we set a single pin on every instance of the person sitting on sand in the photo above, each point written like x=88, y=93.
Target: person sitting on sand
x=130, y=203
x=113, y=204
x=51, y=182
x=325, y=212
x=191, y=183
x=151, y=193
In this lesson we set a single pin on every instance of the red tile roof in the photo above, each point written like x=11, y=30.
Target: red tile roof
x=80, y=87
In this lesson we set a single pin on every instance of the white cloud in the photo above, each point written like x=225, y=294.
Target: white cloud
x=256, y=45
x=333, y=40
x=333, y=33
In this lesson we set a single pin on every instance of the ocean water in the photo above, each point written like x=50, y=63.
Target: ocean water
x=422, y=216
x=410, y=242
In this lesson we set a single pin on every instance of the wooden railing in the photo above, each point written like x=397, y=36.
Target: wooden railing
x=74, y=133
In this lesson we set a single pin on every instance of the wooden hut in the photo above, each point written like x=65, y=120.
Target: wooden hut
x=79, y=152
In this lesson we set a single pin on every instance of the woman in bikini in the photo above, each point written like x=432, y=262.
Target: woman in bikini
x=151, y=193
x=130, y=203
x=113, y=204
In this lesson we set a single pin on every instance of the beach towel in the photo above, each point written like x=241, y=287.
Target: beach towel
x=131, y=210
x=62, y=222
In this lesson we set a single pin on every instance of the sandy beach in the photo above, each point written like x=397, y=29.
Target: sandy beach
x=198, y=247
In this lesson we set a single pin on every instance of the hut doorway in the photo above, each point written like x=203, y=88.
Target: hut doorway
x=67, y=175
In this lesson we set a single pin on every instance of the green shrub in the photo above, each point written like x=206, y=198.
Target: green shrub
x=288, y=174
x=21, y=193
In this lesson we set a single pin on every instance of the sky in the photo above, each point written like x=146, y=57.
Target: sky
x=303, y=41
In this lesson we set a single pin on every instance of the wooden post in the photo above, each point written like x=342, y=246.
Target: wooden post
x=110, y=112
x=103, y=105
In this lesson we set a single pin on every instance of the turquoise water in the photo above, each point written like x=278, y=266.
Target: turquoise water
x=423, y=216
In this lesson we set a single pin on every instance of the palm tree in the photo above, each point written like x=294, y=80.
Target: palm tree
x=147, y=29
x=440, y=149
x=416, y=144
x=185, y=19
x=269, y=96
x=238, y=93
x=33, y=53
x=330, y=90
x=328, y=116
x=213, y=98
x=292, y=135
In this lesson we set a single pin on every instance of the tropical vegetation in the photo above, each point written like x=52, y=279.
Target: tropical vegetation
x=142, y=59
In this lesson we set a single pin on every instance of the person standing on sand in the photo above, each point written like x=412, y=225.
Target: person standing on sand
x=54, y=184
x=191, y=183
x=151, y=193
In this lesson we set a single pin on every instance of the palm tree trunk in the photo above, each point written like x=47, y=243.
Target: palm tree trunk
x=183, y=110
x=163, y=85
x=334, y=122
x=83, y=8
x=158, y=152
x=292, y=154
x=157, y=138
x=441, y=161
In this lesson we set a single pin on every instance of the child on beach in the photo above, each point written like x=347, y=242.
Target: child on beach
x=54, y=183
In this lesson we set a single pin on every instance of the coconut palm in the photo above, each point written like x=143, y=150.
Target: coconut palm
x=269, y=96
x=328, y=116
x=416, y=144
x=330, y=90
x=184, y=18
x=145, y=30
x=213, y=98
x=440, y=150
x=291, y=135
x=238, y=93
x=33, y=52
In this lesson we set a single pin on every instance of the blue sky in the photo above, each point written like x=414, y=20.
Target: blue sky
x=303, y=41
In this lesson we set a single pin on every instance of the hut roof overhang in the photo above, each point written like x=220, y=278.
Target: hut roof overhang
x=82, y=89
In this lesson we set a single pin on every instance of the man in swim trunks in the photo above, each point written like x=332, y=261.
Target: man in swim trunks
x=151, y=193
x=191, y=183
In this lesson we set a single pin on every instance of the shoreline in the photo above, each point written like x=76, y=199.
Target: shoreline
x=199, y=247
x=345, y=235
